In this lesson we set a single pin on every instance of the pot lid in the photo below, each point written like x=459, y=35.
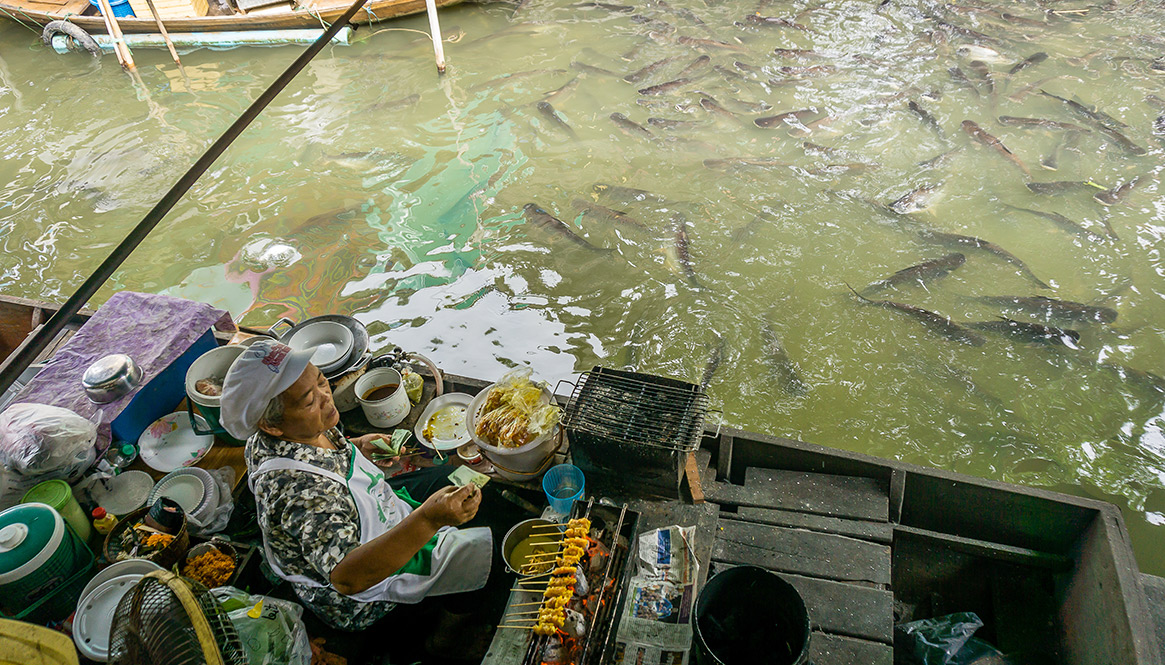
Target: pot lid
x=26, y=532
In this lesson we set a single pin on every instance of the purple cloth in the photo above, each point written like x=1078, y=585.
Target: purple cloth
x=152, y=329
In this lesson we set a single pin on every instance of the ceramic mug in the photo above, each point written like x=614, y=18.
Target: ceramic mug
x=382, y=410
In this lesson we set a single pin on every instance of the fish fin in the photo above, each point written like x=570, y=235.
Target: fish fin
x=860, y=296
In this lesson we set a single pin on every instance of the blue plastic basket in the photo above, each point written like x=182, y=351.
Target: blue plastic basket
x=563, y=484
x=121, y=8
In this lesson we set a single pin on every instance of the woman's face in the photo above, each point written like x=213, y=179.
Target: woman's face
x=308, y=409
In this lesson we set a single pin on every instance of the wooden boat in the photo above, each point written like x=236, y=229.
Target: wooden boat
x=285, y=16
x=870, y=542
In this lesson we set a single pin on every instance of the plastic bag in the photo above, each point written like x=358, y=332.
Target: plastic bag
x=271, y=630
x=37, y=439
x=217, y=520
x=945, y=640
x=513, y=413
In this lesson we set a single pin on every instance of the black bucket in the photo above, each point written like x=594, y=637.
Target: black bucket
x=749, y=616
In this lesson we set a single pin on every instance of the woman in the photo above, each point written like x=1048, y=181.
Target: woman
x=351, y=544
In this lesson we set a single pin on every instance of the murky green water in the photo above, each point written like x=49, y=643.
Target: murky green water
x=352, y=195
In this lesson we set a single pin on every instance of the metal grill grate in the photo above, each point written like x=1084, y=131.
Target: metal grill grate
x=638, y=409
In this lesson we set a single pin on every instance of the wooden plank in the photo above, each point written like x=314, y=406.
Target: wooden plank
x=802, y=552
x=827, y=649
x=724, y=458
x=989, y=550
x=825, y=494
x=879, y=532
x=693, y=476
x=1155, y=597
x=846, y=609
x=897, y=494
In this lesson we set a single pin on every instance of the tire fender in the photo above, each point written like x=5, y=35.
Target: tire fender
x=76, y=32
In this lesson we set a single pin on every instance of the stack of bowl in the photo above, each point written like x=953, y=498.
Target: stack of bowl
x=192, y=488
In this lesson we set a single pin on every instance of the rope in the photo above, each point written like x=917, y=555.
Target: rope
x=16, y=363
x=34, y=30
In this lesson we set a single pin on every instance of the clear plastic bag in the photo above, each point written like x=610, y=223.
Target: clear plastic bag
x=272, y=632
x=945, y=640
x=38, y=439
x=514, y=413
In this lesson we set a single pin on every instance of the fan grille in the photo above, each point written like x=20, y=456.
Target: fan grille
x=151, y=626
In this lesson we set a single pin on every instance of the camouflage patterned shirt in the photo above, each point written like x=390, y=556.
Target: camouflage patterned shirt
x=311, y=524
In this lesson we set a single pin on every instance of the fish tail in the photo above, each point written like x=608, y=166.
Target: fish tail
x=860, y=296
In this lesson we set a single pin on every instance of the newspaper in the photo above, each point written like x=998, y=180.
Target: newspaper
x=655, y=627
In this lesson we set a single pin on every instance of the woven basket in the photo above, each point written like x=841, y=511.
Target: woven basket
x=165, y=557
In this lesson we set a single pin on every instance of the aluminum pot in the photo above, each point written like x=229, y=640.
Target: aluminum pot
x=111, y=378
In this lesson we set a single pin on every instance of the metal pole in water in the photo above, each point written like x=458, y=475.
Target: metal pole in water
x=435, y=31
x=20, y=359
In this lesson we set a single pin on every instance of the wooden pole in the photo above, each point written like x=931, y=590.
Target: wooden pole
x=165, y=34
x=435, y=31
x=111, y=24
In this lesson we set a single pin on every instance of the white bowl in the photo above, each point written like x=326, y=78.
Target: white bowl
x=119, y=569
x=331, y=341
x=194, y=489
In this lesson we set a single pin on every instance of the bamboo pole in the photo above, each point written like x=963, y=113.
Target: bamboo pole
x=124, y=56
x=435, y=31
x=165, y=33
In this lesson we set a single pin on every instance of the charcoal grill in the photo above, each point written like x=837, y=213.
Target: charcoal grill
x=630, y=433
x=616, y=527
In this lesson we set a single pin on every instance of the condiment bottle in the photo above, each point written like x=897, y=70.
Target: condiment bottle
x=102, y=521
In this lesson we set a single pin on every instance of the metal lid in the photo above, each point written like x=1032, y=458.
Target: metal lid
x=29, y=534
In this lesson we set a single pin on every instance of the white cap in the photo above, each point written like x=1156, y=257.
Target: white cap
x=264, y=370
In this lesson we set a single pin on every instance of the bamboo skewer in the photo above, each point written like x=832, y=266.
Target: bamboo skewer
x=530, y=627
x=165, y=33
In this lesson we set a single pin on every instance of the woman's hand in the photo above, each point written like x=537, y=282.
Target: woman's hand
x=452, y=506
x=367, y=448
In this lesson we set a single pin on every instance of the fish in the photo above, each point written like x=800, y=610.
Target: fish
x=1051, y=162
x=1104, y=123
x=1148, y=379
x=1042, y=123
x=641, y=74
x=1113, y=196
x=700, y=42
x=984, y=73
x=562, y=93
x=509, y=78
x=797, y=53
x=937, y=323
x=1088, y=113
x=808, y=71
x=1033, y=332
x=976, y=132
x=1061, y=186
x=774, y=22
x=1159, y=125
x=603, y=5
x=712, y=106
x=664, y=123
x=787, y=374
x=1030, y=61
x=695, y=66
x=664, y=87
x=397, y=104
x=981, y=53
x=915, y=200
x=783, y=118
x=591, y=69
x=822, y=150
x=617, y=216
x=729, y=162
x=550, y=114
x=1052, y=308
x=539, y=217
x=957, y=240
x=927, y=118
x=1022, y=93
x=629, y=126
x=959, y=77
x=1063, y=222
x=715, y=357
x=920, y=273
x=939, y=159
x=680, y=240
x=624, y=193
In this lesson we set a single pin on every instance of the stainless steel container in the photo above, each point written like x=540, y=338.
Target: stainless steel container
x=111, y=378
